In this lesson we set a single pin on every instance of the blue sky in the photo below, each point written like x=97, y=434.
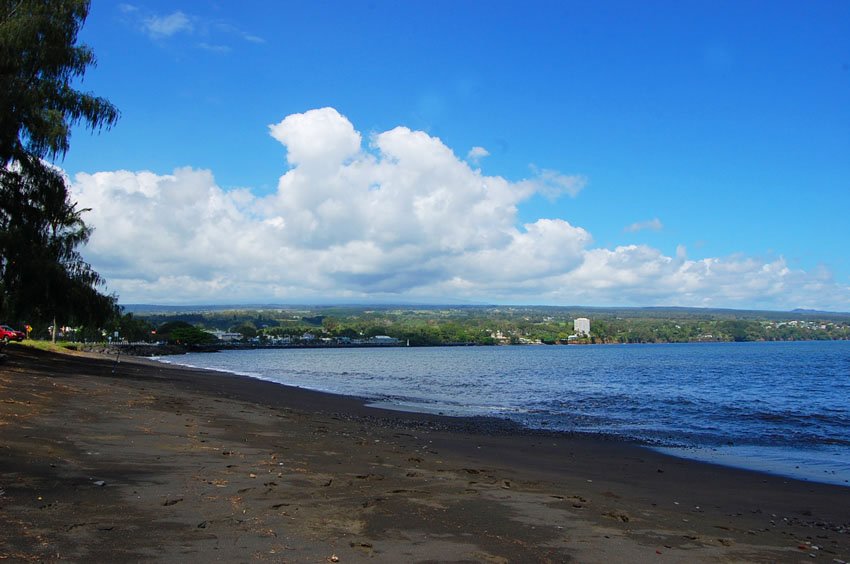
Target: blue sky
x=697, y=132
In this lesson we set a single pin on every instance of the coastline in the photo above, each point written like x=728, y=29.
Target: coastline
x=155, y=350
x=217, y=466
x=767, y=443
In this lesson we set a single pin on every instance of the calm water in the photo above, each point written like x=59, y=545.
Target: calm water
x=779, y=407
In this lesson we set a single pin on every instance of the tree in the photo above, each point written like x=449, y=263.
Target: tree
x=130, y=327
x=39, y=59
x=247, y=330
x=191, y=336
x=166, y=329
x=42, y=275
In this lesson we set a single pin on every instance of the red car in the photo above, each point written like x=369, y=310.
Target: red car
x=8, y=334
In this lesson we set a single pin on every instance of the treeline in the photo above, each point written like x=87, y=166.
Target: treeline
x=44, y=281
x=493, y=325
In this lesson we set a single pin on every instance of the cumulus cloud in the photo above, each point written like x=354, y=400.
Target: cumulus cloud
x=397, y=216
x=650, y=225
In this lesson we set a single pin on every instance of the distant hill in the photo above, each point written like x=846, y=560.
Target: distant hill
x=654, y=312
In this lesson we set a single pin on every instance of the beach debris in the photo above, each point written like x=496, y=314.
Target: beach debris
x=619, y=515
x=369, y=476
x=333, y=558
x=725, y=542
x=99, y=483
x=360, y=544
x=174, y=501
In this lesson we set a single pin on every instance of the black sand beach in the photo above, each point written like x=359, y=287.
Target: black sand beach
x=139, y=461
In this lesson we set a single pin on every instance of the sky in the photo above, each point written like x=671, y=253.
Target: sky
x=564, y=153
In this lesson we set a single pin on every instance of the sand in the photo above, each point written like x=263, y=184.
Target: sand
x=139, y=461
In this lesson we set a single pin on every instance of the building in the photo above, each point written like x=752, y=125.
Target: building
x=226, y=336
x=383, y=340
x=581, y=326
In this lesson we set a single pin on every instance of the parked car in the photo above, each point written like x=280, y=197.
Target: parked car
x=8, y=334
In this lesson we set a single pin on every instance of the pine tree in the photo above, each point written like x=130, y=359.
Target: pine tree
x=42, y=274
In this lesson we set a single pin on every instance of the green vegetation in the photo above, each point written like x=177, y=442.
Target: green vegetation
x=504, y=325
x=48, y=345
x=43, y=277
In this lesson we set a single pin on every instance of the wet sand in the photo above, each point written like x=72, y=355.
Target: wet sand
x=140, y=461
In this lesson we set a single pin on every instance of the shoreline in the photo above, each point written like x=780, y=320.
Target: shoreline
x=364, y=483
x=147, y=350
x=796, y=463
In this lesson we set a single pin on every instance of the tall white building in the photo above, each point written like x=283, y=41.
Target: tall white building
x=581, y=326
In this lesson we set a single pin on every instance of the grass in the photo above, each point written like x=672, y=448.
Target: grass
x=59, y=346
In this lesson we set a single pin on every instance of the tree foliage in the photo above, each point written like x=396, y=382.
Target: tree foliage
x=191, y=336
x=527, y=324
x=39, y=61
x=42, y=274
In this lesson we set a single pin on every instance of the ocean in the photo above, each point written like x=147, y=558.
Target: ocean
x=780, y=407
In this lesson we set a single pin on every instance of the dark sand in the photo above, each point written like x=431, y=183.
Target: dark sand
x=167, y=464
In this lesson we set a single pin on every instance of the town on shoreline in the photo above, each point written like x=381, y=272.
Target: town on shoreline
x=246, y=327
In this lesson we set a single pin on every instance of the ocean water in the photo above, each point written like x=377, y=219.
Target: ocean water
x=777, y=407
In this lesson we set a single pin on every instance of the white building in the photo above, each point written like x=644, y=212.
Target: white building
x=226, y=336
x=383, y=340
x=581, y=326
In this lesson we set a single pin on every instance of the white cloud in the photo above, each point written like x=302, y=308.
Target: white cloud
x=475, y=154
x=321, y=137
x=212, y=35
x=552, y=184
x=650, y=225
x=166, y=26
x=399, y=217
x=214, y=48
